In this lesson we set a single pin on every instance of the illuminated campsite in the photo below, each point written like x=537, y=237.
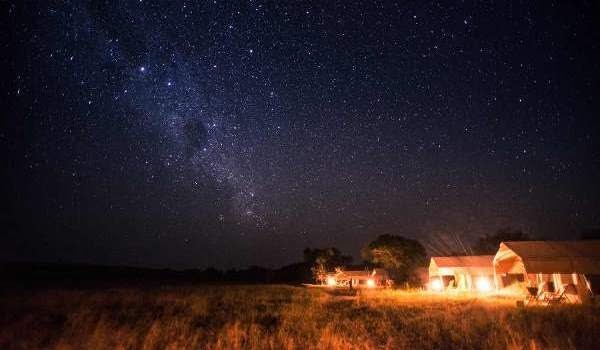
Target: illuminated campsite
x=530, y=294
x=527, y=272
x=375, y=278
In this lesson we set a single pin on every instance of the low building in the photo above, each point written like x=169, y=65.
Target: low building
x=560, y=263
x=463, y=273
x=375, y=278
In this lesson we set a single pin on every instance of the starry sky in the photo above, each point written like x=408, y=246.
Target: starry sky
x=211, y=133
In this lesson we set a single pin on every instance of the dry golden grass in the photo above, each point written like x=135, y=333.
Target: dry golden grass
x=284, y=317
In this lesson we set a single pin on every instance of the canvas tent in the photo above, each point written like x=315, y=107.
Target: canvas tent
x=360, y=278
x=561, y=262
x=461, y=272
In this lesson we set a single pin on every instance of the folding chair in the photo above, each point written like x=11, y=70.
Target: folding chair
x=570, y=294
x=547, y=290
x=556, y=298
x=533, y=295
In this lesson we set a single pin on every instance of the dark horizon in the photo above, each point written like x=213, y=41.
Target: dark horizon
x=164, y=134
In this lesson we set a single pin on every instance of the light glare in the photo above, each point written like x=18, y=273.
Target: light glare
x=437, y=285
x=483, y=284
x=331, y=281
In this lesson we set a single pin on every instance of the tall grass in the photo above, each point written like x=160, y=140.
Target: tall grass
x=283, y=317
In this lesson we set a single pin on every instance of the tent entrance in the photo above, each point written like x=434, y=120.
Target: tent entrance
x=512, y=278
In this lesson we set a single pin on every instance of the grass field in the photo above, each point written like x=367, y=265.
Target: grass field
x=283, y=317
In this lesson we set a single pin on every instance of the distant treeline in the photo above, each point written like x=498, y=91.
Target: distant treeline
x=81, y=275
x=400, y=256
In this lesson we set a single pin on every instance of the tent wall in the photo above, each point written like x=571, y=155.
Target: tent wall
x=463, y=270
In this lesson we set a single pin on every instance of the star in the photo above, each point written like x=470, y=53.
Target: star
x=350, y=121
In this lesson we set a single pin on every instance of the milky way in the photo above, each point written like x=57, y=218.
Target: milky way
x=189, y=134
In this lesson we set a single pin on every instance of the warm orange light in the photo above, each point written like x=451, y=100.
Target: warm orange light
x=437, y=285
x=331, y=281
x=370, y=283
x=483, y=284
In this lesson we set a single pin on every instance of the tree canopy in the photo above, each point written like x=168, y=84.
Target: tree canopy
x=399, y=255
x=488, y=244
x=323, y=260
x=590, y=234
x=330, y=257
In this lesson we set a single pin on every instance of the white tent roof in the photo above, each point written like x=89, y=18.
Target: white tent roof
x=548, y=257
x=471, y=264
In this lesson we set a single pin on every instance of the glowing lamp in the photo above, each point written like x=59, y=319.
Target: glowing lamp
x=370, y=283
x=331, y=281
x=437, y=285
x=483, y=284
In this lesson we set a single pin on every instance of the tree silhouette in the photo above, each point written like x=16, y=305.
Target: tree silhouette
x=488, y=244
x=324, y=260
x=397, y=254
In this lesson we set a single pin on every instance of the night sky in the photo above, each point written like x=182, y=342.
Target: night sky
x=194, y=134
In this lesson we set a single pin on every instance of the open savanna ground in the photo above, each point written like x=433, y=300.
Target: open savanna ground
x=283, y=317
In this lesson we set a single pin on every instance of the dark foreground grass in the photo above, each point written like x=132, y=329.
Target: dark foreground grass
x=283, y=317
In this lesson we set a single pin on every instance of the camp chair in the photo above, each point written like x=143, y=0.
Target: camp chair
x=570, y=294
x=546, y=290
x=556, y=298
x=533, y=296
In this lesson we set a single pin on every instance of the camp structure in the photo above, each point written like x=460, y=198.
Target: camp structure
x=359, y=278
x=562, y=265
x=461, y=273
